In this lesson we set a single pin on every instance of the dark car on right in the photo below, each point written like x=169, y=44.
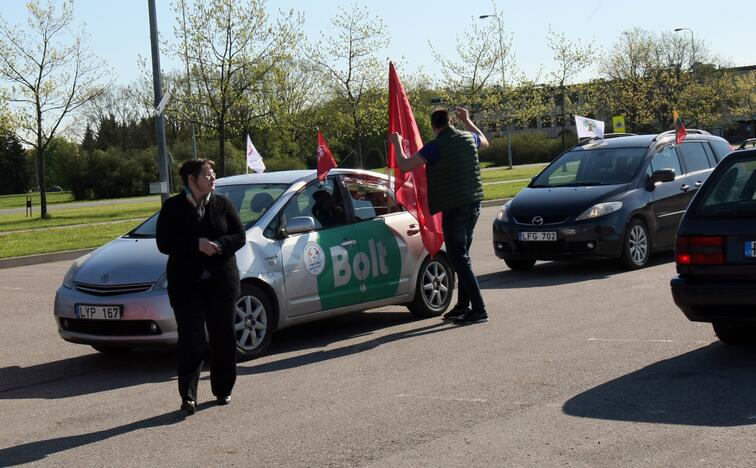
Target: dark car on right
x=620, y=197
x=716, y=251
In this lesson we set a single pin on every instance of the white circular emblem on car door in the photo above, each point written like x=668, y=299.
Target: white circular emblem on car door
x=314, y=258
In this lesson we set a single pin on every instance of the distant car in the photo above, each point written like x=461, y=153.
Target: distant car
x=716, y=251
x=314, y=250
x=619, y=197
x=748, y=144
x=55, y=188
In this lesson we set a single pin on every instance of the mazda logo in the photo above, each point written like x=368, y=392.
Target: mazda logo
x=105, y=278
x=537, y=220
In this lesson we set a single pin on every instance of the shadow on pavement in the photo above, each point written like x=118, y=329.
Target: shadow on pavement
x=556, y=273
x=109, y=372
x=711, y=386
x=39, y=450
x=320, y=334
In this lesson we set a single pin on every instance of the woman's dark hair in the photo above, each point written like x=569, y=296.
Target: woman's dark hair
x=193, y=167
x=440, y=118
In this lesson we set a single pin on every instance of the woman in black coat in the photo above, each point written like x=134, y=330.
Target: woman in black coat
x=201, y=232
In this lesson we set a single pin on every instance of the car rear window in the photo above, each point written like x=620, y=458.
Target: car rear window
x=599, y=166
x=731, y=192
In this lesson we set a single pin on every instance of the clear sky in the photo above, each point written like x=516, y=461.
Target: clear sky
x=119, y=29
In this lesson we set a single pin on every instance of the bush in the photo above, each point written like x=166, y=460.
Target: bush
x=527, y=148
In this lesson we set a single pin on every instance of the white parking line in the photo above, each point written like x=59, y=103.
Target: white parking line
x=629, y=340
x=426, y=397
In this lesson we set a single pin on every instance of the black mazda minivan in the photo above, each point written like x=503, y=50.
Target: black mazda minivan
x=618, y=197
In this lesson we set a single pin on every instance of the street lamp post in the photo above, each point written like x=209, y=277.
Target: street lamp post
x=500, y=31
x=692, y=43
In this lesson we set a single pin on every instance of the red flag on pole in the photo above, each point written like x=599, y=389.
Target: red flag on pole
x=411, y=188
x=326, y=162
x=680, y=131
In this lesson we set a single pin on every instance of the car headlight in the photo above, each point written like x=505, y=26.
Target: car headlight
x=600, y=209
x=161, y=283
x=502, y=214
x=68, y=279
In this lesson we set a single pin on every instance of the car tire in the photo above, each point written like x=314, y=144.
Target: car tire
x=112, y=350
x=254, y=322
x=519, y=264
x=734, y=333
x=636, y=245
x=435, y=285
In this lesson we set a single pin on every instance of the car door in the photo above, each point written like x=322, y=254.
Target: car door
x=668, y=199
x=313, y=261
x=697, y=165
x=390, y=245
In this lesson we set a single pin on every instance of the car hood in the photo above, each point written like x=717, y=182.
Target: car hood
x=126, y=261
x=562, y=201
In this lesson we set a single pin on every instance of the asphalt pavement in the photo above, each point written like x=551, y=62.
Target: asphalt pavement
x=581, y=364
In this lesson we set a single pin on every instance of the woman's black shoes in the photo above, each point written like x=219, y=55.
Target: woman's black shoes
x=188, y=406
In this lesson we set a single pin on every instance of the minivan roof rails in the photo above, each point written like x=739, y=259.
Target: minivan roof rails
x=687, y=130
x=606, y=137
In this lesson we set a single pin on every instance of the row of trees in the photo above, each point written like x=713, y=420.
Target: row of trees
x=246, y=72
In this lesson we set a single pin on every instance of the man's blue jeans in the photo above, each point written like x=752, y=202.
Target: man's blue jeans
x=458, y=225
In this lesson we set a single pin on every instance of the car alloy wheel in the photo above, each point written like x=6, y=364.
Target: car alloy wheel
x=637, y=246
x=435, y=285
x=252, y=322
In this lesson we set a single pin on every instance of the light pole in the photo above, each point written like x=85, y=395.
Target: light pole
x=500, y=31
x=692, y=43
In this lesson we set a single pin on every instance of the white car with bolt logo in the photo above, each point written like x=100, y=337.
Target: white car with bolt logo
x=314, y=250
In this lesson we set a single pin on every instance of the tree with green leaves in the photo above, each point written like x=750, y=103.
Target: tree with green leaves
x=230, y=48
x=572, y=58
x=52, y=74
x=353, y=75
x=14, y=167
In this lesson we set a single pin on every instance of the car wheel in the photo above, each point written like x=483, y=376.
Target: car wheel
x=519, y=263
x=636, y=248
x=254, y=321
x=435, y=284
x=734, y=334
x=111, y=349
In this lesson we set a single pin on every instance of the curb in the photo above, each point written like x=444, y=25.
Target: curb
x=42, y=258
x=72, y=254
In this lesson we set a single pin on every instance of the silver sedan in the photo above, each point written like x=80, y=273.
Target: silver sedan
x=314, y=250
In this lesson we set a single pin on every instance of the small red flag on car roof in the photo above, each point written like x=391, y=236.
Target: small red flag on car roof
x=680, y=131
x=326, y=162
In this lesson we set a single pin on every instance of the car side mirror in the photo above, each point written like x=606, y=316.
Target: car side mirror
x=662, y=175
x=299, y=224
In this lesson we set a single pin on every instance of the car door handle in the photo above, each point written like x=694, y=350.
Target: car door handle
x=698, y=184
x=349, y=243
x=685, y=187
x=412, y=230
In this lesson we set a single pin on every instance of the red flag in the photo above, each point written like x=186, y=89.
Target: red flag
x=411, y=188
x=680, y=131
x=326, y=162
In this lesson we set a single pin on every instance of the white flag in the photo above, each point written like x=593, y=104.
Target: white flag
x=587, y=128
x=254, y=160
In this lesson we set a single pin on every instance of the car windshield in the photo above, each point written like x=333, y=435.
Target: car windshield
x=250, y=201
x=587, y=167
x=731, y=192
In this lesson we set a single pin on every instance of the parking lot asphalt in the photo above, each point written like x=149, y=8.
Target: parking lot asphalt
x=581, y=364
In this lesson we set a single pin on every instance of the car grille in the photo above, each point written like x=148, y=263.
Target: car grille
x=528, y=220
x=545, y=248
x=110, y=327
x=112, y=289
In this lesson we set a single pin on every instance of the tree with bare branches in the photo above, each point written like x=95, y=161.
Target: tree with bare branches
x=51, y=73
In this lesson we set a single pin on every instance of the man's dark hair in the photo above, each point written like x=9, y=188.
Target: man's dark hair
x=193, y=167
x=440, y=118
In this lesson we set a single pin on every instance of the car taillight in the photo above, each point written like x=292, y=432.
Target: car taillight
x=699, y=250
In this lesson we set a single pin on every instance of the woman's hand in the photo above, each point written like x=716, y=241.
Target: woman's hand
x=208, y=247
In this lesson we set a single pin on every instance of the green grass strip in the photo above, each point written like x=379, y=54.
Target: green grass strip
x=85, y=215
x=500, y=174
x=59, y=239
x=498, y=191
x=19, y=200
